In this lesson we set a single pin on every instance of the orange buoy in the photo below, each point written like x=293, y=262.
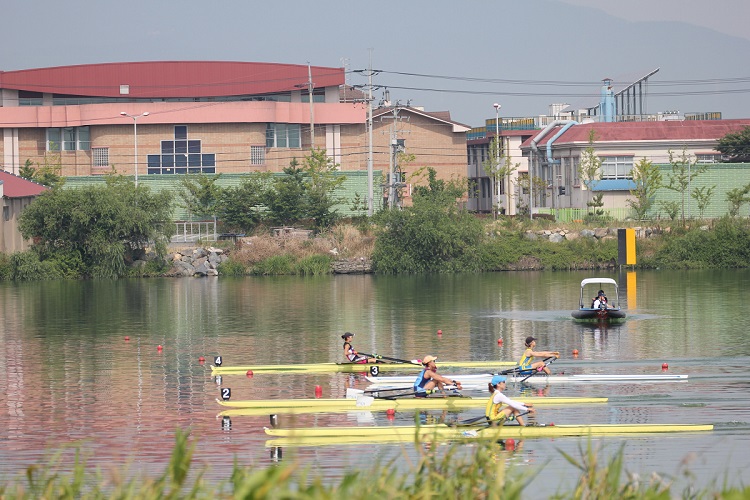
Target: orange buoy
x=664, y=366
x=318, y=391
x=127, y=338
x=249, y=373
x=575, y=352
x=390, y=411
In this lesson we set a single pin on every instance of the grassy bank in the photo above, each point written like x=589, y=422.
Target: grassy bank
x=447, y=473
x=503, y=245
x=406, y=246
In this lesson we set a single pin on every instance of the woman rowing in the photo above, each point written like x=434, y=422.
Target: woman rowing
x=527, y=365
x=350, y=354
x=429, y=380
x=498, y=414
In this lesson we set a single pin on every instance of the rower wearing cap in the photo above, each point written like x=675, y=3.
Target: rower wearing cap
x=428, y=379
x=496, y=412
x=527, y=364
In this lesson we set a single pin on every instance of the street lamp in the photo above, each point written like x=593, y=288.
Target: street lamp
x=135, y=138
x=497, y=142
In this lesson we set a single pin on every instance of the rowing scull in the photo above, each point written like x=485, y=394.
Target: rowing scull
x=298, y=406
x=442, y=431
x=348, y=367
x=478, y=379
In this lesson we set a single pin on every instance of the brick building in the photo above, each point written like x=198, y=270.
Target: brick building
x=171, y=118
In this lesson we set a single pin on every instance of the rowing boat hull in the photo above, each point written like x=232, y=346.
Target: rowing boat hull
x=444, y=432
x=299, y=406
x=484, y=378
x=347, y=367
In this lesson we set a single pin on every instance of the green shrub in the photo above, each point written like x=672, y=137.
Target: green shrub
x=6, y=271
x=276, y=265
x=26, y=266
x=232, y=268
x=315, y=265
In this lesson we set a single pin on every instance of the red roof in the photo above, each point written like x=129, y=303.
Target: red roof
x=167, y=79
x=671, y=130
x=18, y=187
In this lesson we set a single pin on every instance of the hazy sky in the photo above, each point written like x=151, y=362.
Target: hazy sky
x=725, y=16
x=443, y=55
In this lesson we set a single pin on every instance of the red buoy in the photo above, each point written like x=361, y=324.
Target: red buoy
x=201, y=359
x=127, y=339
x=390, y=411
x=440, y=332
x=159, y=348
x=664, y=367
x=249, y=374
x=575, y=352
x=510, y=444
x=499, y=341
x=318, y=391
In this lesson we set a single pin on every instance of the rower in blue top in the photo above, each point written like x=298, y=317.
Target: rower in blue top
x=429, y=380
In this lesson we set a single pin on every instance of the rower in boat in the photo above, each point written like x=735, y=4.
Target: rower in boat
x=350, y=354
x=496, y=413
x=429, y=380
x=527, y=365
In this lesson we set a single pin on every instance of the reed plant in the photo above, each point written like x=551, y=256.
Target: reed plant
x=438, y=471
x=314, y=265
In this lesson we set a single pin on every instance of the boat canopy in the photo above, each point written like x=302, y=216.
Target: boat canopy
x=598, y=280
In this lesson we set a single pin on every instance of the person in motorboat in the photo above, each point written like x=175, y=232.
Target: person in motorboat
x=429, y=380
x=601, y=301
x=527, y=365
x=350, y=354
x=500, y=408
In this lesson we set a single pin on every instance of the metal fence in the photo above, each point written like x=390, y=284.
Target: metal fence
x=195, y=231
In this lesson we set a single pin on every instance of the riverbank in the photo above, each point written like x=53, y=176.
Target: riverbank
x=347, y=249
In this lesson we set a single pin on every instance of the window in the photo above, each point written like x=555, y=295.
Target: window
x=257, y=155
x=283, y=135
x=68, y=139
x=708, y=157
x=181, y=156
x=100, y=157
x=617, y=167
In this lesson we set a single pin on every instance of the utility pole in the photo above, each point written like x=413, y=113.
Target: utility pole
x=312, y=115
x=370, y=191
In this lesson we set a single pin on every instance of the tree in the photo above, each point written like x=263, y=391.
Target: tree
x=432, y=235
x=647, y=178
x=322, y=182
x=240, y=209
x=702, y=196
x=47, y=174
x=200, y=195
x=736, y=146
x=684, y=170
x=100, y=227
x=736, y=198
x=589, y=168
x=499, y=166
x=285, y=199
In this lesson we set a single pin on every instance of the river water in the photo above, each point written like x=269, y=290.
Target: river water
x=82, y=368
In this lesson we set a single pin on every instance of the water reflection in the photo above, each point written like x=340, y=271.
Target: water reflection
x=69, y=376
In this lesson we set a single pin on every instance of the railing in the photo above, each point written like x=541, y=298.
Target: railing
x=195, y=231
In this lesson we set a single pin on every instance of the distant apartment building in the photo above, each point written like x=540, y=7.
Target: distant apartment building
x=549, y=148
